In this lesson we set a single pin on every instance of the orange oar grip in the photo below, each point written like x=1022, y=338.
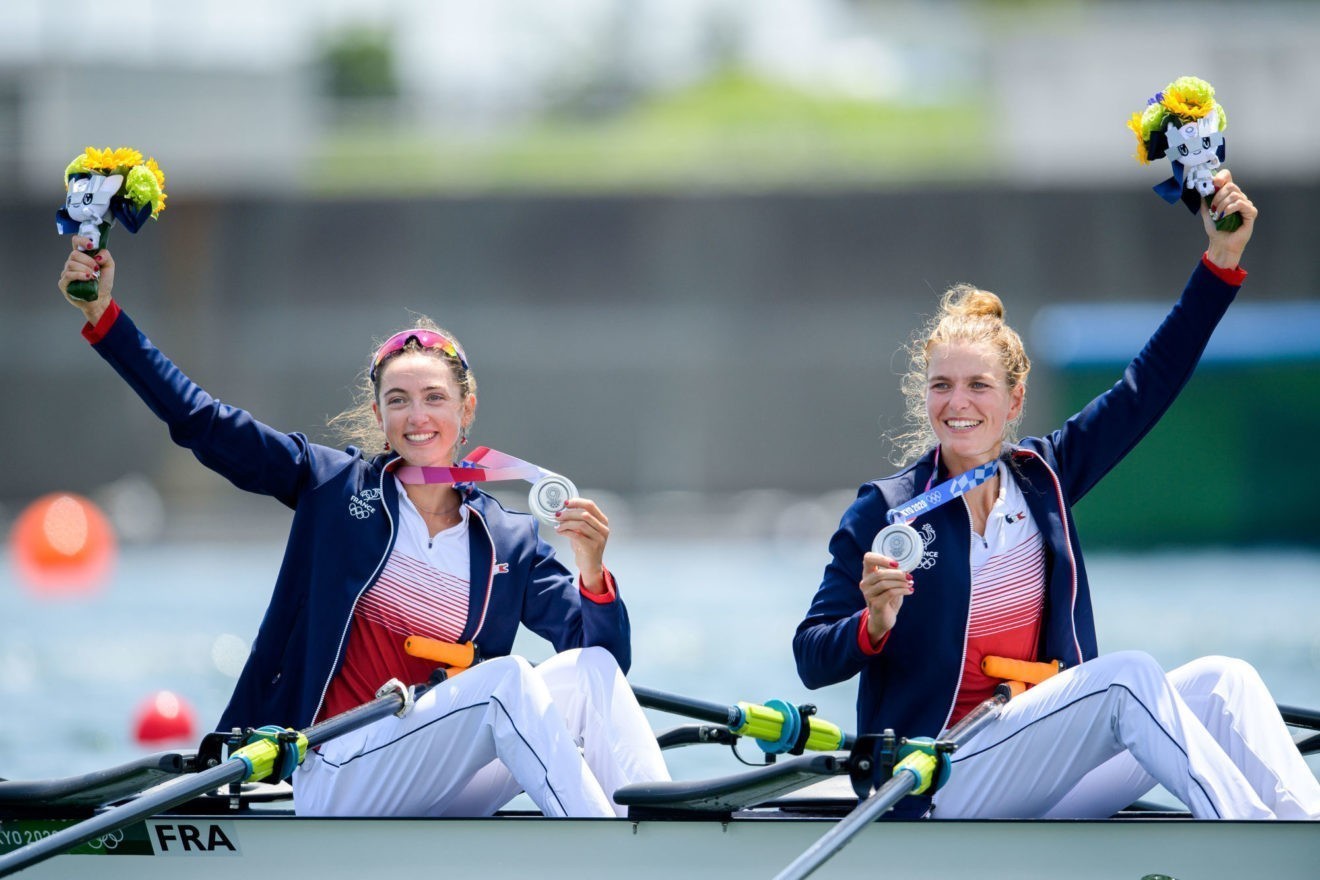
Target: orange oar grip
x=1015, y=688
x=445, y=653
x=1019, y=670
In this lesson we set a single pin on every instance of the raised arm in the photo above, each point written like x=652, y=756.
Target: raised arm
x=228, y=440
x=1094, y=440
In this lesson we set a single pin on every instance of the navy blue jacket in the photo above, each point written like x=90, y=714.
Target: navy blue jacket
x=911, y=684
x=344, y=513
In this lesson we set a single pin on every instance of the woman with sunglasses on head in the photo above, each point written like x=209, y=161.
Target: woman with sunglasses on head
x=376, y=556
x=993, y=568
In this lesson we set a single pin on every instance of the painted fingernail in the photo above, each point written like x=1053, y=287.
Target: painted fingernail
x=559, y=513
x=893, y=563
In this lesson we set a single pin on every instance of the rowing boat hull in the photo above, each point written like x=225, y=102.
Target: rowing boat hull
x=529, y=846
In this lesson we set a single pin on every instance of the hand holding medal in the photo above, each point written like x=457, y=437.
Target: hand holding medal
x=901, y=543
x=1185, y=124
x=906, y=548
x=104, y=186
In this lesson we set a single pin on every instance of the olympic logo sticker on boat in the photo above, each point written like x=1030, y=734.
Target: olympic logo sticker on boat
x=107, y=842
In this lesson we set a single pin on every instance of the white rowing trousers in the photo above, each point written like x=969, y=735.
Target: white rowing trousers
x=1093, y=739
x=476, y=740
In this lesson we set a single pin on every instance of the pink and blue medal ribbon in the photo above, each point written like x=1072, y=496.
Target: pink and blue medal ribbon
x=549, y=494
x=902, y=543
x=484, y=465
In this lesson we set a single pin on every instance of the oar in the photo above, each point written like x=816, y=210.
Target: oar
x=253, y=761
x=1305, y=718
x=922, y=761
x=778, y=726
x=1299, y=717
x=913, y=774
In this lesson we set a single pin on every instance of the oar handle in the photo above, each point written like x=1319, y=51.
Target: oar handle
x=702, y=710
x=454, y=657
x=1028, y=671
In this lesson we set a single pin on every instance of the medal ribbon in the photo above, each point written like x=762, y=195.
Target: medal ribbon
x=484, y=465
x=944, y=492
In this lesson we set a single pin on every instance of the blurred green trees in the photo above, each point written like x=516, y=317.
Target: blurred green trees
x=358, y=63
x=731, y=130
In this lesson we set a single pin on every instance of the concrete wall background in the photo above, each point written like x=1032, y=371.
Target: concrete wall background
x=638, y=344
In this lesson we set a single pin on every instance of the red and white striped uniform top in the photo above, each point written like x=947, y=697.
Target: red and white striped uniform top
x=1008, y=593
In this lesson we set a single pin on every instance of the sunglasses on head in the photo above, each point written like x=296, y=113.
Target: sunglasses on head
x=424, y=338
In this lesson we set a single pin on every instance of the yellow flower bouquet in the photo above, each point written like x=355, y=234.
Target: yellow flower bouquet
x=1185, y=123
x=105, y=186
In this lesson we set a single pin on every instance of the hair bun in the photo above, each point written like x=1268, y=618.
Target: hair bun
x=968, y=301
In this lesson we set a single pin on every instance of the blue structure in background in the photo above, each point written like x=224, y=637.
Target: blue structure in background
x=1220, y=467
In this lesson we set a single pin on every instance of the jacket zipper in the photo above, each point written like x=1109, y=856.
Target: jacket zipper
x=967, y=626
x=490, y=579
x=1072, y=563
x=343, y=636
x=1067, y=543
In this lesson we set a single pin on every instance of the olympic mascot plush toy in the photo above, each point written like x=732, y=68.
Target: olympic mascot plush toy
x=1185, y=123
x=103, y=186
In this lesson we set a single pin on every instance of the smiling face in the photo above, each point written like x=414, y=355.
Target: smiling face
x=421, y=408
x=969, y=402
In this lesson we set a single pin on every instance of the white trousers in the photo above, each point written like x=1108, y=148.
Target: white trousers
x=1093, y=739
x=478, y=739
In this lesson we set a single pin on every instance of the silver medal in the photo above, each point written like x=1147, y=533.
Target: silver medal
x=901, y=543
x=549, y=495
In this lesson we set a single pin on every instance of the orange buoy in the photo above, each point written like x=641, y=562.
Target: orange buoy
x=62, y=544
x=164, y=717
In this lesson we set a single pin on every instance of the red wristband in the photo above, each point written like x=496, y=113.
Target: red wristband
x=1234, y=276
x=864, y=637
x=604, y=598
x=97, y=333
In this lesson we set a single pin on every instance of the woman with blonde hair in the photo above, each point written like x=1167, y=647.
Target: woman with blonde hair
x=979, y=557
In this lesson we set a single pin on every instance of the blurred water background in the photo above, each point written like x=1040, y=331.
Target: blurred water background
x=713, y=619
x=682, y=241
